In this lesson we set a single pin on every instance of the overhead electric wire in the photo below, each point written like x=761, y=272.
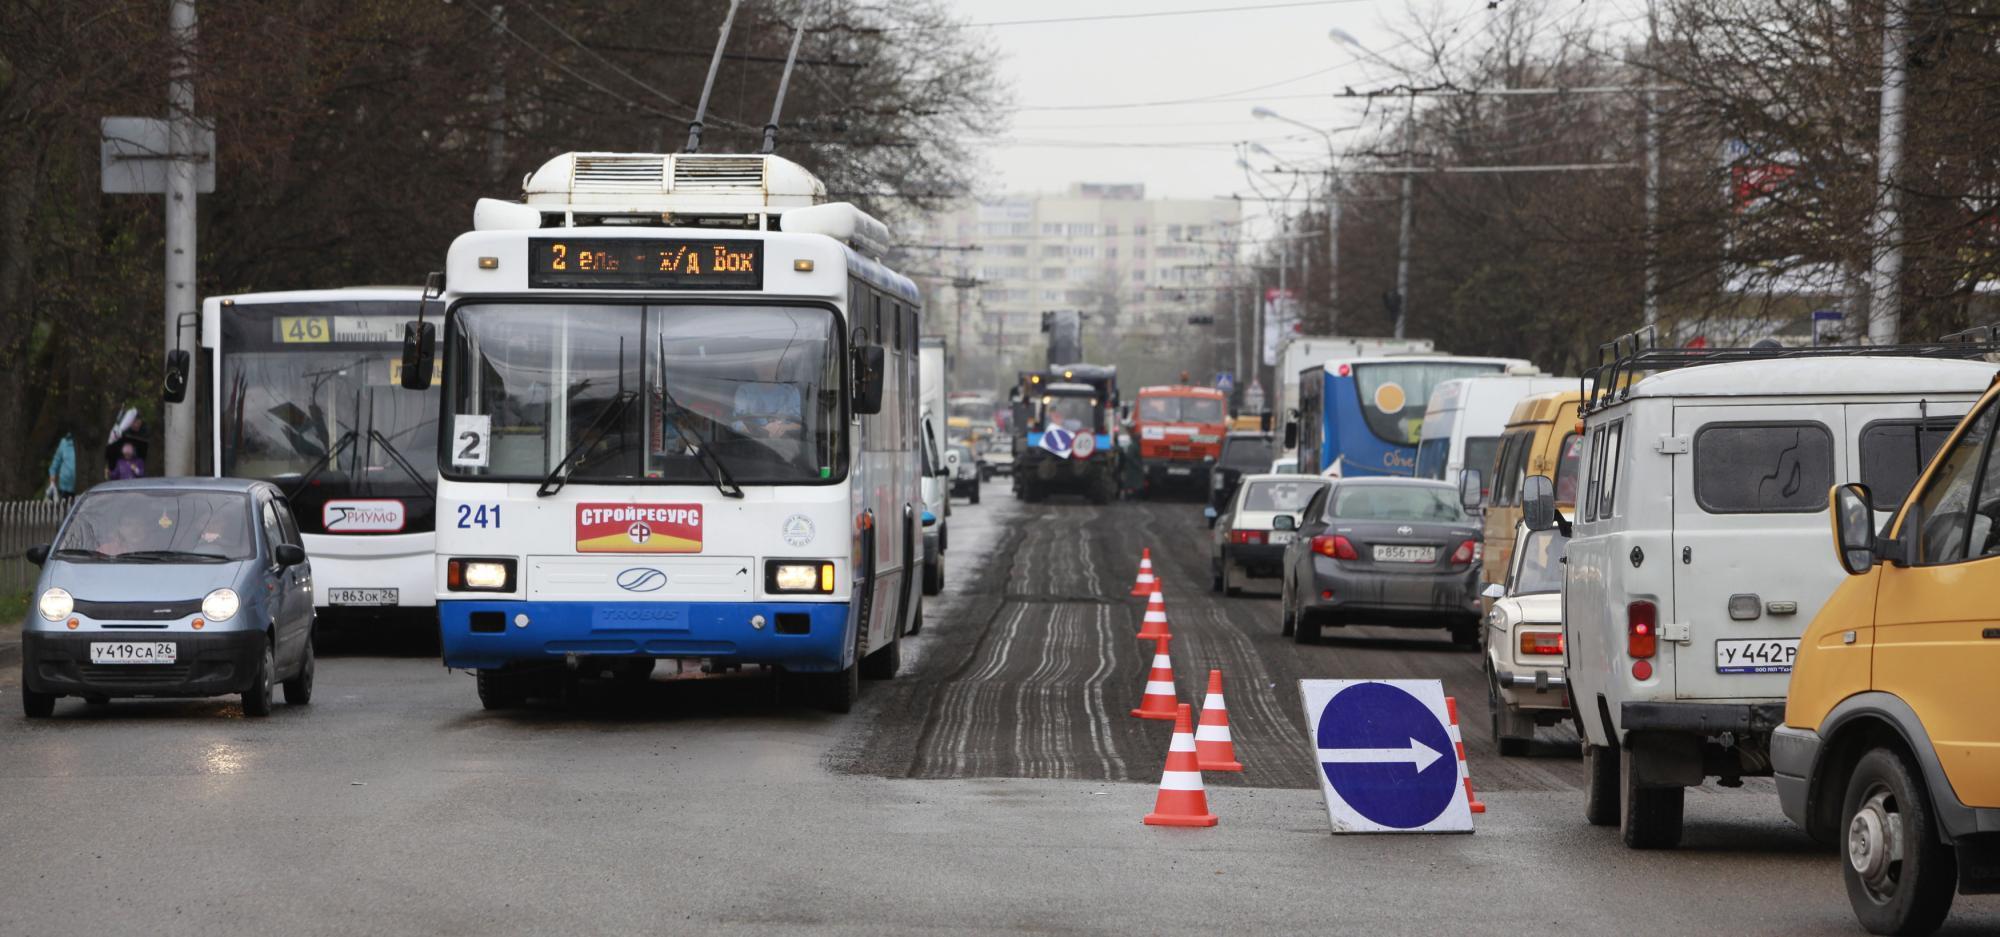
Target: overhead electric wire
x=1151, y=14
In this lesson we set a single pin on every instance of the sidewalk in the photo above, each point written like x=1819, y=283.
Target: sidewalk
x=10, y=643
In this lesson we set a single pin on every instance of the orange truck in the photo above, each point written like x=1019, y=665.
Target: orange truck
x=1180, y=429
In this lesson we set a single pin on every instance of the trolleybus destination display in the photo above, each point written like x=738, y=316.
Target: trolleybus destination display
x=645, y=264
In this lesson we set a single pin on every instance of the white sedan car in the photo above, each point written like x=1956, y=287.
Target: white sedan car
x=1526, y=683
x=1247, y=542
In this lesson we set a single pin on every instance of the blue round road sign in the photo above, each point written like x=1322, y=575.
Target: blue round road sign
x=1387, y=755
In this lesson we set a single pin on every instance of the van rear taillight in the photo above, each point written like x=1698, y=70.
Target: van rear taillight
x=1336, y=546
x=1642, y=624
x=1541, y=643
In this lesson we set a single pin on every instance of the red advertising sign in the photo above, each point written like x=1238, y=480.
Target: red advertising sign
x=638, y=528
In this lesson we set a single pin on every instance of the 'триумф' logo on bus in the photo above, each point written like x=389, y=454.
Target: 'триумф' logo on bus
x=638, y=528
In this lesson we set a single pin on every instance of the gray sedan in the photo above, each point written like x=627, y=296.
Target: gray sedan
x=1383, y=551
x=171, y=587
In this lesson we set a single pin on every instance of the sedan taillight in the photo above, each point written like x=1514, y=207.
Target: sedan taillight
x=1247, y=537
x=1534, y=643
x=1335, y=546
x=1467, y=553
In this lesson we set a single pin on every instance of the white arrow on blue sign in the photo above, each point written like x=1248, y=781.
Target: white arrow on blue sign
x=1387, y=763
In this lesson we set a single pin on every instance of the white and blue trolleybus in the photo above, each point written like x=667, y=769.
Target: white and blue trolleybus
x=679, y=423
x=300, y=389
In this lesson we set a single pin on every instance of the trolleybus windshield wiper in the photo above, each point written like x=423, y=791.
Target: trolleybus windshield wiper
x=609, y=416
x=389, y=448
x=346, y=439
x=717, y=469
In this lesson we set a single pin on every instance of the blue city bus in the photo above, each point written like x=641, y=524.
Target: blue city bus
x=1363, y=416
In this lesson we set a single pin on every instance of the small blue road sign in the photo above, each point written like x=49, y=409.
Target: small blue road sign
x=1387, y=759
x=1058, y=442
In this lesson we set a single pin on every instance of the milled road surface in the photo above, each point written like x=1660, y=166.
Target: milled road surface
x=996, y=787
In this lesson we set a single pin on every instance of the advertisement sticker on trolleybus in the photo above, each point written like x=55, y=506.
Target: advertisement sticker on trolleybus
x=638, y=528
x=1756, y=656
x=362, y=516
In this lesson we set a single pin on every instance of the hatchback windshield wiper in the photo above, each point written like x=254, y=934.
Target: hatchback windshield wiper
x=718, y=471
x=170, y=555
x=559, y=476
x=77, y=551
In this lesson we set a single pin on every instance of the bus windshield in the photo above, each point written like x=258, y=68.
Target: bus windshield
x=311, y=389
x=1180, y=409
x=1393, y=394
x=637, y=389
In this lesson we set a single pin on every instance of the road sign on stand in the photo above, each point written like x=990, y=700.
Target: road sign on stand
x=1386, y=760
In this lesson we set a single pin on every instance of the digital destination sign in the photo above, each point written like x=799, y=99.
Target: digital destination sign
x=645, y=264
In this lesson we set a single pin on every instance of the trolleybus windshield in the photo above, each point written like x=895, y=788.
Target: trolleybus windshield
x=310, y=401
x=760, y=386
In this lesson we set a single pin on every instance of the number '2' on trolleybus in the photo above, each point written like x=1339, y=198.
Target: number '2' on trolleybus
x=300, y=389
x=1364, y=416
x=680, y=425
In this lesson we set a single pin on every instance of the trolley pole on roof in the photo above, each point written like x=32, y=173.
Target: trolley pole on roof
x=177, y=420
x=714, y=63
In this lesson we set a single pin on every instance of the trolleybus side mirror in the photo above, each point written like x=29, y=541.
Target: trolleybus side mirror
x=1468, y=489
x=1291, y=434
x=174, y=388
x=868, y=365
x=419, y=354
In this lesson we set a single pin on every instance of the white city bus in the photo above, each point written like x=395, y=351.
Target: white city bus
x=680, y=424
x=300, y=389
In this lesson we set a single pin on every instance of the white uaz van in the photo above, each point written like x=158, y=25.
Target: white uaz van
x=1694, y=563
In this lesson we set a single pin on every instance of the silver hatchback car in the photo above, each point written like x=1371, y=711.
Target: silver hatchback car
x=171, y=587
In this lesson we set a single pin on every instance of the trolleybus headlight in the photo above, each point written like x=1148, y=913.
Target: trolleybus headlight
x=815, y=578
x=220, y=605
x=57, y=604
x=479, y=575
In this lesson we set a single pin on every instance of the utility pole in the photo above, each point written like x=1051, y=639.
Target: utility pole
x=1403, y=237
x=1885, y=282
x=177, y=420
x=1332, y=248
x=496, y=132
x=1652, y=295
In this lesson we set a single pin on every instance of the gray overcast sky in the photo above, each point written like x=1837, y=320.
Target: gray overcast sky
x=1237, y=60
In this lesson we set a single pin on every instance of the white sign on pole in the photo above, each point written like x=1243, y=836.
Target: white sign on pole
x=134, y=152
x=1387, y=762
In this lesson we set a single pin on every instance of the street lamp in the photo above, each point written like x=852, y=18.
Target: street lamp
x=1402, y=304
x=1332, y=212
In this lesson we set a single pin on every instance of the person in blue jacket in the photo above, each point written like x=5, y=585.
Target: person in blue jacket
x=62, y=469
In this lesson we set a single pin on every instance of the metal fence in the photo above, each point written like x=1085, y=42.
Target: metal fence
x=22, y=525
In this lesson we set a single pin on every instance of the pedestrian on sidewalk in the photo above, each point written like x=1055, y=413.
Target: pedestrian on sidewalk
x=130, y=464
x=62, y=469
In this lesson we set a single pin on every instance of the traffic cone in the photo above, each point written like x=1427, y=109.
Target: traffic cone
x=1211, y=741
x=1182, y=801
x=1159, y=701
x=1144, y=586
x=1154, y=625
x=1464, y=768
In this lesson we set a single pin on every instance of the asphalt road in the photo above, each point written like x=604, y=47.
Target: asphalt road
x=996, y=786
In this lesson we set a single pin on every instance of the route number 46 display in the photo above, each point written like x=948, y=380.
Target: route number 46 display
x=471, y=435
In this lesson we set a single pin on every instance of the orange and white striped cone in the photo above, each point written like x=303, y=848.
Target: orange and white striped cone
x=1212, y=746
x=1144, y=585
x=1154, y=625
x=1464, y=767
x=1160, y=700
x=1182, y=801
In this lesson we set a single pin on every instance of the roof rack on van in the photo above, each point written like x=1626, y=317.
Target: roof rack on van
x=1621, y=360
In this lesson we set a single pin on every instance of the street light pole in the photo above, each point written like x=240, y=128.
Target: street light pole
x=177, y=420
x=1403, y=237
x=1885, y=282
x=1332, y=216
x=1651, y=300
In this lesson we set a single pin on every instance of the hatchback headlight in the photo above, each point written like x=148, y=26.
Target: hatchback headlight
x=56, y=605
x=220, y=605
